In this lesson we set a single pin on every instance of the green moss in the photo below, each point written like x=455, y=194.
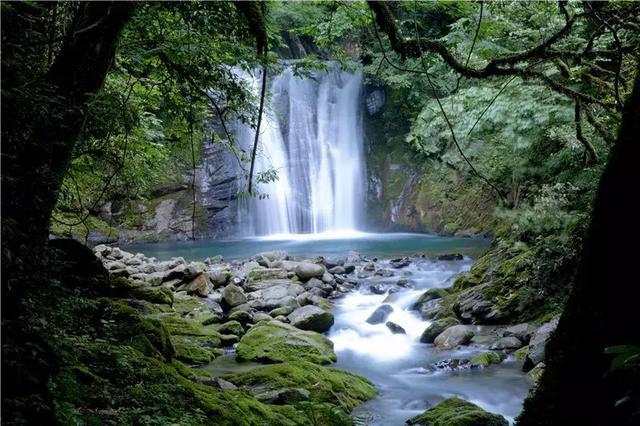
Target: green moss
x=157, y=295
x=457, y=412
x=92, y=224
x=325, y=384
x=193, y=351
x=486, y=359
x=275, y=341
x=522, y=353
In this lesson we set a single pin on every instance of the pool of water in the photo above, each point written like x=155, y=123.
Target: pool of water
x=327, y=244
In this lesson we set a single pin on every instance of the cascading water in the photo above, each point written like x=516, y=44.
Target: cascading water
x=312, y=137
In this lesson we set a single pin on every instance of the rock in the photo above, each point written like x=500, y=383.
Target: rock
x=261, y=316
x=400, y=262
x=453, y=337
x=222, y=384
x=521, y=354
x=261, y=285
x=243, y=317
x=451, y=364
x=377, y=289
x=282, y=311
x=283, y=396
x=158, y=295
x=307, y=270
x=386, y=273
x=312, y=318
x=232, y=296
x=275, y=341
x=219, y=278
x=437, y=327
x=535, y=374
x=349, y=268
x=457, y=412
x=332, y=262
x=521, y=331
x=538, y=343
x=338, y=270
x=450, y=256
x=274, y=256
x=474, y=306
x=231, y=327
x=353, y=257
x=509, y=343
x=395, y=328
x=327, y=277
x=485, y=359
x=380, y=315
x=403, y=282
x=265, y=274
x=214, y=260
x=431, y=294
x=199, y=286
x=276, y=296
x=430, y=309
x=370, y=266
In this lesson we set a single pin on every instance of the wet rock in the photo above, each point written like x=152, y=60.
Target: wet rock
x=395, y=328
x=450, y=364
x=538, y=343
x=450, y=257
x=386, y=273
x=311, y=318
x=437, y=327
x=453, y=337
x=349, y=268
x=377, y=289
x=158, y=295
x=219, y=278
x=521, y=331
x=276, y=296
x=370, y=266
x=353, y=257
x=485, y=359
x=243, y=317
x=333, y=262
x=307, y=270
x=507, y=343
x=263, y=274
x=474, y=306
x=535, y=374
x=337, y=270
x=232, y=296
x=380, y=315
x=327, y=277
x=403, y=282
x=457, y=412
x=430, y=309
x=282, y=311
x=261, y=285
x=214, y=260
x=400, y=262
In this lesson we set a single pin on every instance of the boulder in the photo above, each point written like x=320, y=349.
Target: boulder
x=243, y=317
x=353, y=257
x=231, y=327
x=158, y=295
x=400, y=262
x=261, y=285
x=283, y=396
x=338, y=270
x=474, y=306
x=538, y=343
x=219, y=277
x=457, y=412
x=430, y=309
x=312, y=318
x=307, y=270
x=450, y=256
x=276, y=296
x=377, y=289
x=380, y=315
x=265, y=274
x=535, y=374
x=395, y=328
x=485, y=359
x=521, y=331
x=508, y=343
x=332, y=262
x=199, y=286
x=232, y=296
x=275, y=341
x=437, y=327
x=453, y=337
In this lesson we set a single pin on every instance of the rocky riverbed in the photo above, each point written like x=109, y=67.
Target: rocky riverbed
x=276, y=309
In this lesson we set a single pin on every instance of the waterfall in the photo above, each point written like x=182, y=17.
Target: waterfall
x=311, y=136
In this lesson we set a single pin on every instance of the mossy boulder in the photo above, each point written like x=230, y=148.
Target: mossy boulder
x=454, y=336
x=231, y=327
x=457, y=412
x=193, y=351
x=325, y=384
x=311, y=318
x=485, y=359
x=275, y=341
x=437, y=327
x=157, y=295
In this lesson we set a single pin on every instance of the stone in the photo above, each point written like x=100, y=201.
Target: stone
x=370, y=266
x=380, y=315
x=275, y=341
x=521, y=331
x=231, y=327
x=386, y=273
x=450, y=257
x=214, y=260
x=457, y=412
x=265, y=274
x=158, y=295
x=274, y=255
x=282, y=311
x=377, y=289
x=199, y=286
x=338, y=270
x=400, y=262
x=474, y=306
x=453, y=337
x=312, y=318
x=349, y=268
x=276, y=296
x=437, y=327
x=283, y=396
x=243, y=317
x=353, y=257
x=538, y=343
x=507, y=343
x=327, y=278
x=485, y=359
x=261, y=285
x=535, y=374
x=232, y=296
x=395, y=328
x=219, y=277
x=307, y=270
x=430, y=309
x=332, y=262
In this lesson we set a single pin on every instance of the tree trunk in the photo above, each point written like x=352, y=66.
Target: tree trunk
x=577, y=387
x=40, y=127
